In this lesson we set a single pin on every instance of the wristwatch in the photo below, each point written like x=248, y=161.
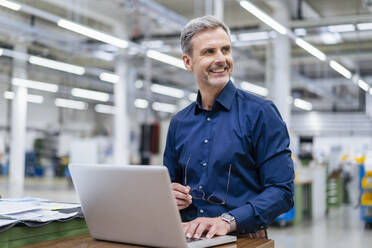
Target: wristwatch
x=229, y=219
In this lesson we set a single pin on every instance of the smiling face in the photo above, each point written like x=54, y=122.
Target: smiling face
x=211, y=59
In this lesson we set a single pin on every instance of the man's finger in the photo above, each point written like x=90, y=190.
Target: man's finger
x=185, y=226
x=182, y=196
x=191, y=230
x=212, y=231
x=183, y=203
x=200, y=230
x=180, y=188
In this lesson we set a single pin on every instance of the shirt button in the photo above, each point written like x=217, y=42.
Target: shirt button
x=208, y=119
x=201, y=211
x=204, y=164
x=200, y=187
x=205, y=141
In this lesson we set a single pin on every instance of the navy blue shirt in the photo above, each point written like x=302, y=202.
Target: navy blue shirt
x=238, y=152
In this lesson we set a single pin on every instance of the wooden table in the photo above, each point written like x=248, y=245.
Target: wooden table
x=86, y=241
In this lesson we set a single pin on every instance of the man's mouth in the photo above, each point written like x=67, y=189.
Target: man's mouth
x=219, y=70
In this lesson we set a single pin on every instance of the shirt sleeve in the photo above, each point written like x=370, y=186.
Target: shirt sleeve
x=271, y=151
x=170, y=154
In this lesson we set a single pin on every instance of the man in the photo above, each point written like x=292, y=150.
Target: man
x=227, y=153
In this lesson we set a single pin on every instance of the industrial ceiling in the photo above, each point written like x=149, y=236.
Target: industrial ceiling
x=331, y=26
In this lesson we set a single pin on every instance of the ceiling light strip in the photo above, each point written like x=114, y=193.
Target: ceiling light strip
x=90, y=94
x=340, y=69
x=168, y=91
x=57, y=65
x=165, y=58
x=10, y=5
x=363, y=85
x=302, y=104
x=311, y=49
x=30, y=98
x=35, y=85
x=109, y=77
x=254, y=88
x=263, y=17
x=141, y=103
x=67, y=103
x=91, y=33
x=164, y=107
x=104, y=109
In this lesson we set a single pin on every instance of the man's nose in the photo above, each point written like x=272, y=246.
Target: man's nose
x=220, y=57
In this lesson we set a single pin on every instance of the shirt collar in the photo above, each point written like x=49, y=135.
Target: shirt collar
x=225, y=98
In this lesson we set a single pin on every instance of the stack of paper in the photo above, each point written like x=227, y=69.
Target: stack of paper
x=32, y=209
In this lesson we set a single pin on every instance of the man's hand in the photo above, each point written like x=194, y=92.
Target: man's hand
x=201, y=225
x=181, y=193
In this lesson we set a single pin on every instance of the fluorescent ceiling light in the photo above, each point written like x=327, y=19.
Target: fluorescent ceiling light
x=363, y=85
x=1, y=51
x=311, y=49
x=153, y=43
x=10, y=5
x=30, y=98
x=341, y=28
x=370, y=91
x=364, y=26
x=300, y=31
x=141, y=103
x=168, y=91
x=233, y=38
x=299, y=103
x=109, y=77
x=330, y=38
x=164, y=107
x=67, y=103
x=35, y=85
x=90, y=94
x=193, y=96
x=162, y=57
x=254, y=88
x=104, y=109
x=263, y=17
x=94, y=34
x=138, y=84
x=57, y=65
x=104, y=55
x=253, y=36
x=340, y=69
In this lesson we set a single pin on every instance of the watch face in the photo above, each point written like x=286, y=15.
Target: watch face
x=227, y=217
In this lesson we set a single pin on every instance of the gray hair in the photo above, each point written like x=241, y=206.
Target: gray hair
x=197, y=25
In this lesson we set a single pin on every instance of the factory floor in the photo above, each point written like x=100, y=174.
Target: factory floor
x=340, y=228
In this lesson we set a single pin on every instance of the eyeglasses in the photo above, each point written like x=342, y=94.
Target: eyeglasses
x=200, y=194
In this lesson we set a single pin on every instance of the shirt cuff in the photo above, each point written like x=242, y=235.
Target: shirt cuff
x=246, y=219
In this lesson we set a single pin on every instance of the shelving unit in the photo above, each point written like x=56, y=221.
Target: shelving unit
x=365, y=193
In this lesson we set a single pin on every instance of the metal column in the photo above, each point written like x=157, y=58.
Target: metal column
x=18, y=127
x=121, y=120
x=278, y=69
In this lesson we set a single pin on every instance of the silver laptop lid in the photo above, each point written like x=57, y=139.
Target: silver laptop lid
x=129, y=204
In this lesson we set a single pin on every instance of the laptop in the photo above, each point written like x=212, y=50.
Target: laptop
x=134, y=205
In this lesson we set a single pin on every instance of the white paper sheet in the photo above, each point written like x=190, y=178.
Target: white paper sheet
x=16, y=207
x=6, y=222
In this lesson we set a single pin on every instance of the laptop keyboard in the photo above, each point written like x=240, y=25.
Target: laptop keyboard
x=189, y=240
x=204, y=242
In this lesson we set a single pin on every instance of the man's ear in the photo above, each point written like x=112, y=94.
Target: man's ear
x=187, y=61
